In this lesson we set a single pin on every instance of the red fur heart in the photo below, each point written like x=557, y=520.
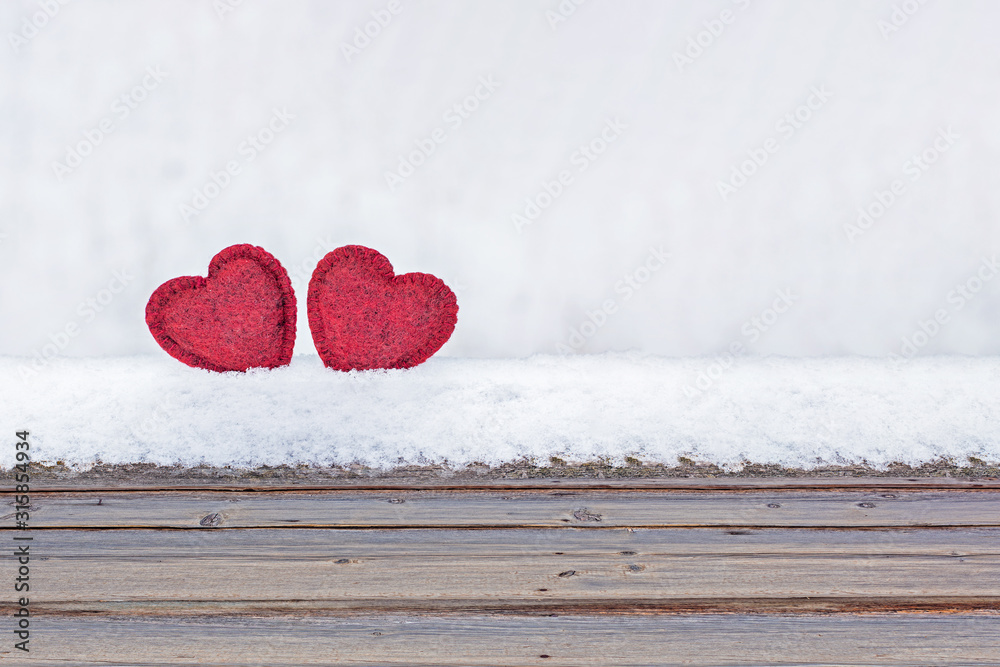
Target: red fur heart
x=242, y=316
x=363, y=316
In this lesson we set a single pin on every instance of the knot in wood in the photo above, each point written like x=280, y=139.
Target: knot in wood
x=584, y=514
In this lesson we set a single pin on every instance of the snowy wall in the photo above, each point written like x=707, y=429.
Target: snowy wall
x=679, y=178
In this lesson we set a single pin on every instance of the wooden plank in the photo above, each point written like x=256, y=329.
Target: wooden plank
x=586, y=508
x=347, y=569
x=225, y=480
x=489, y=640
x=479, y=575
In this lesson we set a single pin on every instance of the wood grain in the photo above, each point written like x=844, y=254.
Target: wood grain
x=339, y=569
x=529, y=509
x=441, y=480
x=489, y=640
x=666, y=574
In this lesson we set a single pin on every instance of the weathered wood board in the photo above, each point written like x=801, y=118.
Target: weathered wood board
x=867, y=575
x=663, y=640
x=235, y=480
x=512, y=508
x=421, y=568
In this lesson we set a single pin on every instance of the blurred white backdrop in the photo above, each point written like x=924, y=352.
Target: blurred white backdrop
x=883, y=91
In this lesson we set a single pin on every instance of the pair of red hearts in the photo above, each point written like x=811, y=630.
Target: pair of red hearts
x=361, y=314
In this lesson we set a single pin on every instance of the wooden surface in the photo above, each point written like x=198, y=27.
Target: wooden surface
x=513, y=508
x=891, y=573
x=485, y=568
x=492, y=640
x=47, y=481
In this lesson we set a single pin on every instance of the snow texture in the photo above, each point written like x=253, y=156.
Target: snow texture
x=792, y=412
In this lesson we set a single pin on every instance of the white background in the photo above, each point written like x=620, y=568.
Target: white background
x=321, y=182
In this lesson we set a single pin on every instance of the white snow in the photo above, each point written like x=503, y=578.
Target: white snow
x=792, y=412
x=855, y=104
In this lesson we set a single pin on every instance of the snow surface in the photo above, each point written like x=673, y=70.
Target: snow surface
x=791, y=412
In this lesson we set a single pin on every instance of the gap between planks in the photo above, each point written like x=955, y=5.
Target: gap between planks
x=361, y=607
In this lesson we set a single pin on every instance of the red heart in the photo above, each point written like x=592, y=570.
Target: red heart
x=242, y=316
x=363, y=316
